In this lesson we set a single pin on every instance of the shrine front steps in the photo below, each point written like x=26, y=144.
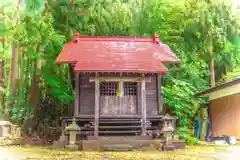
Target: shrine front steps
x=125, y=143
x=118, y=147
x=121, y=138
x=118, y=143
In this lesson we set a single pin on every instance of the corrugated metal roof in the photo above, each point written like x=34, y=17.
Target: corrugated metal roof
x=117, y=54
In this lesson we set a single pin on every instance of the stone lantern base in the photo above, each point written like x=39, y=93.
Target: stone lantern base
x=10, y=134
x=72, y=140
x=72, y=146
x=5, y=129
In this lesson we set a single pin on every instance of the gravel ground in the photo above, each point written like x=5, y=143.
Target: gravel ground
x=190, y=153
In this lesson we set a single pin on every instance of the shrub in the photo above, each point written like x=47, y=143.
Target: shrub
x=192, y=140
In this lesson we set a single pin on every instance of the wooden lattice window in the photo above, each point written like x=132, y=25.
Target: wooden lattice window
x=108, y=88
x=130, y=88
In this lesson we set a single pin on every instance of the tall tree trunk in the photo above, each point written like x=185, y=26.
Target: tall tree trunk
x=212, y=73
x=35, y=85
x=14, y=60
x=2, y=76
x=35, y=89
x=207, y=37
x=212, y=70
x=2, y=73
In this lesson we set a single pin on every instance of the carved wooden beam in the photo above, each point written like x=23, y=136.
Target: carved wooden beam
x=124, y=79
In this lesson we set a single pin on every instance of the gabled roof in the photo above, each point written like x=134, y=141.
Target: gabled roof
x=223, y=90
x=117, y=54
x=222, y=86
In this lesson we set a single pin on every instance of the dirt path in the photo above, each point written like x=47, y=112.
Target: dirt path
x=190, y=153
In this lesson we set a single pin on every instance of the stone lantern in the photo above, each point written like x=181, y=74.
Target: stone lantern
x=73, y=129
x=16, y=131
x=168, y=129
x=5, y=129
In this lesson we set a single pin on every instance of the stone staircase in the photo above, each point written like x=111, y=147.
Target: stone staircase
x=118, y=147
x=116, y=143
x=116, y=126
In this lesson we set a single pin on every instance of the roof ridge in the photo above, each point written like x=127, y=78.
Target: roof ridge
x=115, y=38
x=154, y=39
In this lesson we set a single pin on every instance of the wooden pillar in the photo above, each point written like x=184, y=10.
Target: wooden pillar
x=121, y=96
x=143, y=103
x=76, y=106
x=97, y=95
x=159, y=91
x=139, y=99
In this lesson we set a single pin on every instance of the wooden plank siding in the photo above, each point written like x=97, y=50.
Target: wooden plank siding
x=87, y=95
x=225, y=116
x=159, y=93
x=151, y=96
x=109, y=105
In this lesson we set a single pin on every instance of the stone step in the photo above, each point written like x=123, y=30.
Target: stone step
x=121, y=131
x=119, y=138
x=118, y=122
x=168, y=147
x=121, y=119
x=119, y=127
x=118, y=147
x=90, y=128
x=100, y=142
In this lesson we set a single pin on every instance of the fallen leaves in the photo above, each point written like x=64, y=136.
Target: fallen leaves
x=201, y=152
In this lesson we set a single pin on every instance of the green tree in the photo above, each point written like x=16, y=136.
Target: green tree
x=197, y=31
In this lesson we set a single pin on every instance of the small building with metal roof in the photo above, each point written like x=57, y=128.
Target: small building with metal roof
x=224, y=108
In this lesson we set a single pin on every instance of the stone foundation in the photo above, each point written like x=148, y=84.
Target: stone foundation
x=10, y=134
x=12, y=141
x=5, y=129
x=136, y=142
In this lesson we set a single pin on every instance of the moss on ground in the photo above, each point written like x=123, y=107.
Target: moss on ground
x=200, y=152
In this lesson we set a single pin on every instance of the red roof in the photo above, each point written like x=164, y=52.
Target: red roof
x=118, y=66
x=117, y=54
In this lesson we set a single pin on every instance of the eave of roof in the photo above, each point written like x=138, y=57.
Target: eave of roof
x=216, y=88
x=119, y=54
x=68, y=56
x=108, y=66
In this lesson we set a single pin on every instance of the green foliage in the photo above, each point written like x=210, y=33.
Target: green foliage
x=230, y=75
x=33, y=31
x=196, y=31
x=192, y=140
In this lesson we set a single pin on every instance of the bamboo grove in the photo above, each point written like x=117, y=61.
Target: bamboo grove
x=204, y=34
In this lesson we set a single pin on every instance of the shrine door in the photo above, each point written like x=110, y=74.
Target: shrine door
x=116, y=99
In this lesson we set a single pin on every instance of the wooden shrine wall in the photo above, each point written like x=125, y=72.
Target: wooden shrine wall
x=151, y=96
x=87, y=95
